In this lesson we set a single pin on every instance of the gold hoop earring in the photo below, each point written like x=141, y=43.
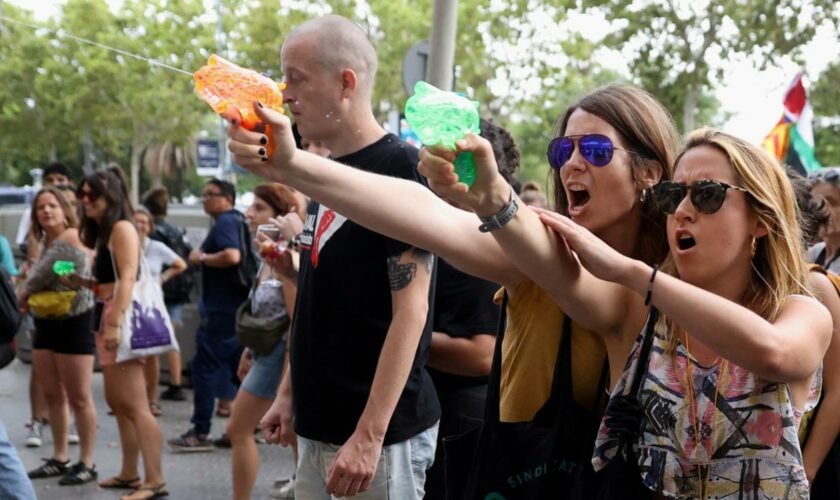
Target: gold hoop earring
x=753, y=247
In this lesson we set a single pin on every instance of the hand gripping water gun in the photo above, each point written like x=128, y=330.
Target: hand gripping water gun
x=229, y=89
x=64, y=267
x=443, y=118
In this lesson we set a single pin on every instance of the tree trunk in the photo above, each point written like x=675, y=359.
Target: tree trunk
x=52, y=154
x=689, y=108
x=136, y=150
x=87, y=151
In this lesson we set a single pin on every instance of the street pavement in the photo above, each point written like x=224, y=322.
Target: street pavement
x=204, y=476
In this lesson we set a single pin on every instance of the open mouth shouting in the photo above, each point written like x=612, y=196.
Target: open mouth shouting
x=685, y=240
x=578, y=197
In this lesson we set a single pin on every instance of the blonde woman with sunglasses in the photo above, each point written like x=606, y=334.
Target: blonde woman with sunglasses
x=734, y=359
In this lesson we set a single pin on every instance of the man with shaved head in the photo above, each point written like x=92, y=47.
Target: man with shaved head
x=365, y=409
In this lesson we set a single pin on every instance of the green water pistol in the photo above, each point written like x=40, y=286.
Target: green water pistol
x=64, y=267
x=441, y=119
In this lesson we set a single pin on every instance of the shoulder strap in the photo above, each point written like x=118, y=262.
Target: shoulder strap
x=644, y=355
x=491, y=406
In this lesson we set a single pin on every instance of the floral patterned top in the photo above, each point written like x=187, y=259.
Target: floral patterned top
x=752, y=435
x=267, y=301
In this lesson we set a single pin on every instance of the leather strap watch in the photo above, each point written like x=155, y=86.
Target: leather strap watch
x=501, y=217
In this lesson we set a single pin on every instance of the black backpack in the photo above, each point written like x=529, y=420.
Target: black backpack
x=9, y=310
x=176, y=290
x=246, y=271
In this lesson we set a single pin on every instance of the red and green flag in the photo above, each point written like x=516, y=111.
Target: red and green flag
x=792, y=139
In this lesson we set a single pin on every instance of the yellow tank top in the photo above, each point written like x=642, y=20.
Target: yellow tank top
x=529, y=354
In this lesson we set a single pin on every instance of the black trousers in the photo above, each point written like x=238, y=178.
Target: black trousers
x=460, y=408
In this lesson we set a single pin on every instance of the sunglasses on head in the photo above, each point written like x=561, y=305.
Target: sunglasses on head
x=707, y=196
x=596, y=149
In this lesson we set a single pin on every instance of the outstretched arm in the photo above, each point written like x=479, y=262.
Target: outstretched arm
x=533, y=248
x=789, y=349
x=397, y=208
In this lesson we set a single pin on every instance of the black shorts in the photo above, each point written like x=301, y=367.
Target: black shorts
x=73, y=335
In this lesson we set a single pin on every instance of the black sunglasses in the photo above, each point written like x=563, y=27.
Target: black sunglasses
x=707, y=196
x=596, y=149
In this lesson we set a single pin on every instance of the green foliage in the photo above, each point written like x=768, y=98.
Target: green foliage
x=676, y=47
x=825, y=99
x=84, y=105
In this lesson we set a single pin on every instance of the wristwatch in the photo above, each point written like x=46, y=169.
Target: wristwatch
x=501, y=217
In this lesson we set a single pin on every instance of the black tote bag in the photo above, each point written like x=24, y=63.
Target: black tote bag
x=621, y=478
x=539, y=459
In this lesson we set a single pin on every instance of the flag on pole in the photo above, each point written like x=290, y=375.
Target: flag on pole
x=792, y=139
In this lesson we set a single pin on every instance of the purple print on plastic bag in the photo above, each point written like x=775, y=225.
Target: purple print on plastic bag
x=148, y=328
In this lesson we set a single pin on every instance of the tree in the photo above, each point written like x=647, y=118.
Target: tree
x=675, y=47
x=825, y=99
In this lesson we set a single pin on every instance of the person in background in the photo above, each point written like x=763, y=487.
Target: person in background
x=164, y=264
x=176, y=291
x=217, y=349
x=54, y=174
x=464, y=334
x=58, y=175
x=533, y=196
x=7, y=258
x=819, y=201
x=63, y=346
x=107, y=226
x=272, y=298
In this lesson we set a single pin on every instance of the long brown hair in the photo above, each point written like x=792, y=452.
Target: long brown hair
x=70, y=217
x=109, y=184
x=646, y=128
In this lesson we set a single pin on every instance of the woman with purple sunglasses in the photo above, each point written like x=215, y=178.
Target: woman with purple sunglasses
x=642, y=143
x=711, y=397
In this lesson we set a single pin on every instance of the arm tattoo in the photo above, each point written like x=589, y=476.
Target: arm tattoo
x=400, y=275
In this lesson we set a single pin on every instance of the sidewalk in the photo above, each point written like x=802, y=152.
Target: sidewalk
x=204, y=476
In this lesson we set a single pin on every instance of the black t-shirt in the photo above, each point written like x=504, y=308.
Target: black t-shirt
x=342, y=316
x=463, y=307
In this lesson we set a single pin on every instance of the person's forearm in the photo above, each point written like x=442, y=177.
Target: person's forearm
x=121, y=300
x=225, y=258
x=463, y=356
x=403, y=210
x=733, y=331
x=824, y=432
x=392, y=371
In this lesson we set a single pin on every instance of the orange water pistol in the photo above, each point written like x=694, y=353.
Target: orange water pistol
x=231, y=90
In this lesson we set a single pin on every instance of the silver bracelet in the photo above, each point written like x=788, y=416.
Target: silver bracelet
x=501, y=217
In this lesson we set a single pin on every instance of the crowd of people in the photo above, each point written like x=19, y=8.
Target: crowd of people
x=671, y=329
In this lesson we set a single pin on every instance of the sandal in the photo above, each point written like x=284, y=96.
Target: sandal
x=155, y=409
x=147, y=492
x=119, y=483
x=223, y=412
